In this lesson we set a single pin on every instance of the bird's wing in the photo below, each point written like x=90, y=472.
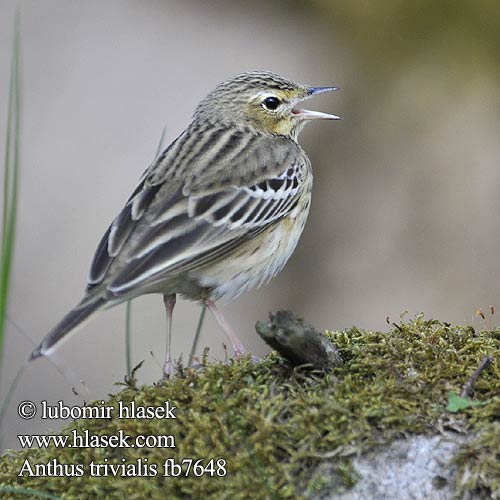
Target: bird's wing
x=163, y=231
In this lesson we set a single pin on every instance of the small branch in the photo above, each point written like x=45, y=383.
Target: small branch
x=469, y=385
x=297, y=341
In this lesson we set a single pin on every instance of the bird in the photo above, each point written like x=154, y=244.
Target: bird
x=217, y=213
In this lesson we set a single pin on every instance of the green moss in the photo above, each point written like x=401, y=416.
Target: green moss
x=479, y=461
x=278, y=427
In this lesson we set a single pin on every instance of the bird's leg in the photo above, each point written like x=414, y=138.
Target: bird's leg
x=239, y=350
x=168, y=366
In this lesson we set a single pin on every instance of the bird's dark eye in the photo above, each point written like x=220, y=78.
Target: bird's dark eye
x=271, y=102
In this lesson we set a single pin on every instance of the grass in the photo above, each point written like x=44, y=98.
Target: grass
x=128, y=310
x=10, y=197
x=10, y=180
x=128, y=334
x=197, y=334
x=9, y=219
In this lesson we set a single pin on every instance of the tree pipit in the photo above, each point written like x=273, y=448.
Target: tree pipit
x=219, y=212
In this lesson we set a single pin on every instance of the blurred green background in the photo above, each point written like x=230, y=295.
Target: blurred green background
x=407, y=187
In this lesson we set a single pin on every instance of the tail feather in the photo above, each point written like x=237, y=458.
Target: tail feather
x=75, y=318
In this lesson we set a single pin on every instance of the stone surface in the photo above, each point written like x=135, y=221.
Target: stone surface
x=416, y=468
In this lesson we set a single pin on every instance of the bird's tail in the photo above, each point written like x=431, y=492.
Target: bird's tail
x=75, y=318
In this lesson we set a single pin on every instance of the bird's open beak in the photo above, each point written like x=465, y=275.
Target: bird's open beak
x=306, y=114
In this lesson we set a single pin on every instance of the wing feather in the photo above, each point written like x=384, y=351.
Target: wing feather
x=168, y=226
x=100, y=262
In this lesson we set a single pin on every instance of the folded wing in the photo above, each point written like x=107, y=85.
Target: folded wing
x=167, y=228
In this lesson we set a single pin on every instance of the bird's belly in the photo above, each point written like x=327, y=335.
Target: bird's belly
x=254, y=263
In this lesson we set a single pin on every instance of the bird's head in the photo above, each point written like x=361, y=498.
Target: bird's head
x=265, y=101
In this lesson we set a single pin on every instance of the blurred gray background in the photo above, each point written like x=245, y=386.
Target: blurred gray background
x=407, y=187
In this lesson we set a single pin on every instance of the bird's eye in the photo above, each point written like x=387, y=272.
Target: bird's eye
x=271, y=103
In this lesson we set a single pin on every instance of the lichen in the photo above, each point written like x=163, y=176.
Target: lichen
x=278, y=426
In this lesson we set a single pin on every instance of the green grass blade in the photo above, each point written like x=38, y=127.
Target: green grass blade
x=128, y=333
x=128, y=310
x=201, y=319
x=162, y=140
x=197, y=334
x=11, y=178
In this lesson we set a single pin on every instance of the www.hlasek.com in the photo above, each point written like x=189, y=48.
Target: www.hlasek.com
x=85, y=439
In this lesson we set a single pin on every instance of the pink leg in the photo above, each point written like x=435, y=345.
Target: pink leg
x=235, y=342
x=168, y=366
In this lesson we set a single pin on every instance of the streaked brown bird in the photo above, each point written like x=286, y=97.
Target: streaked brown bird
x=219, y=212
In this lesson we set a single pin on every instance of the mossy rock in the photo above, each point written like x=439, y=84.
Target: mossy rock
x=294, y=432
